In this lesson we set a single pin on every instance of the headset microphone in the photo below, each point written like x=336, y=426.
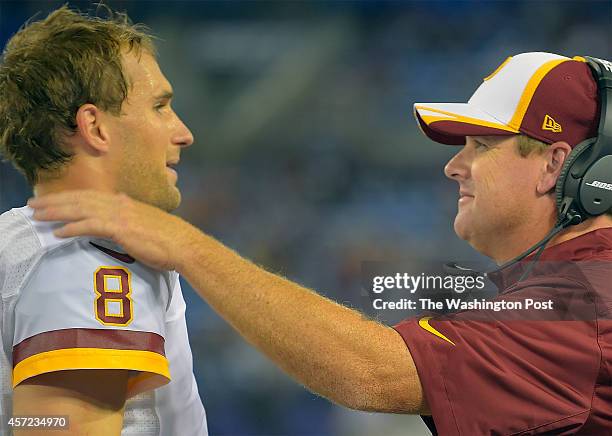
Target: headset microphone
x=584, y=187
x=455, y=269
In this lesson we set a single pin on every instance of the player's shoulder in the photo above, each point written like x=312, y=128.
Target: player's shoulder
x=70, y=274
x=18, y=227
x=22, y=245
x=28, y=248
x=15, y=227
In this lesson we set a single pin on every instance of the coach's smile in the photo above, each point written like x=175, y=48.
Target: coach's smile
x=171, y=167
x=172, y=171
x=464, y=196
x=464, y=199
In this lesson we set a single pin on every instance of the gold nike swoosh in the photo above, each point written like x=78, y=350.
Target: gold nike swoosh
x=424, y=324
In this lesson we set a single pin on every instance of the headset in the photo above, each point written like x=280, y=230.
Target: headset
x=584, y=186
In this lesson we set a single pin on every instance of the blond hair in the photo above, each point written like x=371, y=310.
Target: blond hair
x=528, y=145
x=52, y=67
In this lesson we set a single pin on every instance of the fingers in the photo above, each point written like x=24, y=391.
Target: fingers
x=61, y=198
x=89, y=213
x=73, y=205
x=85, y=212
x=91, y=227
x=61, y=212
x=84, y=199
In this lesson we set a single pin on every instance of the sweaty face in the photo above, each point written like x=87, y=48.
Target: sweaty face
x=496, y=190
x=149, y=136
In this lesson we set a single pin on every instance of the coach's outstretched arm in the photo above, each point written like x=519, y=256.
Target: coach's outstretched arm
x=333, y=350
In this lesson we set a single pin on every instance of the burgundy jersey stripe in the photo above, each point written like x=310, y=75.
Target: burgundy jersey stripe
x=88, y=338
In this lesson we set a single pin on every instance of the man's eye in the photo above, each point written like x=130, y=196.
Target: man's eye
x=161, y=105
x=480, y=145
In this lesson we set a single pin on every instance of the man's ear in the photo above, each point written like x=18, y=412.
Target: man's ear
x=92, y=128
x=554, y=157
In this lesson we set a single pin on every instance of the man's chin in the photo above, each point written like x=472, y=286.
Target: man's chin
x=175, y=205
x=461, y=227
x=478, y=240
x=172, y=201
x=168, y=202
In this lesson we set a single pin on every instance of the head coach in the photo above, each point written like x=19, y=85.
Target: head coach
x=529, y=185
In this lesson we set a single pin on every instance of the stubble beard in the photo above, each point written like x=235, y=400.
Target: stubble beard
x=153, y=188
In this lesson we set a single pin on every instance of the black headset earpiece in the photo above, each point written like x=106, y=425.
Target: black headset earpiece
x=566, y=202
x=584, y=187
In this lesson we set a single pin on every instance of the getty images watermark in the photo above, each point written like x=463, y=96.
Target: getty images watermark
x=393, y=290
x=448, y=284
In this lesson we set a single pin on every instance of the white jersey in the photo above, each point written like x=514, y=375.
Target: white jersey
x=81, y=303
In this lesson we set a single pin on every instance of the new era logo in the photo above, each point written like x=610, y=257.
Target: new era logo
x=550, y=124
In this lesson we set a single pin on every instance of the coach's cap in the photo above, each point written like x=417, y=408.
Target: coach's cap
x=542, y=95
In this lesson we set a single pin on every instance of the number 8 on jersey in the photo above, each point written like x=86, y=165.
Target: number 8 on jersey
x=113, y=287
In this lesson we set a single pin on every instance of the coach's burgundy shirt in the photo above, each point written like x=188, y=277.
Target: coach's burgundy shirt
x=526, y=372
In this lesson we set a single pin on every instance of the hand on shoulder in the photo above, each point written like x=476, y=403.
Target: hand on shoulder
x=151, y=235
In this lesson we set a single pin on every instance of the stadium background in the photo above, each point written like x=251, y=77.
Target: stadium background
x=308, y=161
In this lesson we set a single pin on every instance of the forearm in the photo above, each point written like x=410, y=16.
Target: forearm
x=93, y=400
x=333, y=350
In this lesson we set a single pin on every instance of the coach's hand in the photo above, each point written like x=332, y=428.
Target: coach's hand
x=152, y=236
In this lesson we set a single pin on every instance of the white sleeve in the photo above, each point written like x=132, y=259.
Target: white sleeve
x=82, y=309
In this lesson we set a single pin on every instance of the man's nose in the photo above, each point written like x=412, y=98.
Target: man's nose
x=457, y=167
x=183, y=137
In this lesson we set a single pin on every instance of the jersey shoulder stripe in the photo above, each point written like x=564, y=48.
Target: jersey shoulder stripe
x=92, y=348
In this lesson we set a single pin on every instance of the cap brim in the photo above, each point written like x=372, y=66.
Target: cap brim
x=450, y=123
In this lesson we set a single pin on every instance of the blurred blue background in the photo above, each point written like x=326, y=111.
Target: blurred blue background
x=308, y=161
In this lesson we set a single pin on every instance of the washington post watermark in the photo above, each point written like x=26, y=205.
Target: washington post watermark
x=551, y=291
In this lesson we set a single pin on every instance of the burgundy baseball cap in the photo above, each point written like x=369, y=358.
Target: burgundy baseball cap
x=542, y=95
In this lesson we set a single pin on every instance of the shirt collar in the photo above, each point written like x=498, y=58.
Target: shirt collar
x=596, y=244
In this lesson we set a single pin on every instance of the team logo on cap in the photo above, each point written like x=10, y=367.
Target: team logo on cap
x=550, y=124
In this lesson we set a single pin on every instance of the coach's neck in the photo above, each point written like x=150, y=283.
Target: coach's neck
x=587, y=226
x=532, y=235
